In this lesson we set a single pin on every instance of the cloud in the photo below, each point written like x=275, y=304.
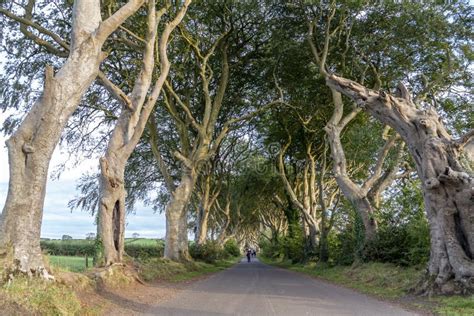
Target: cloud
x=58, y=219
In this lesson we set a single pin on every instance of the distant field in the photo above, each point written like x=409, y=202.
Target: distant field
x=143, y=241
x=70, y=254
x=73, y=264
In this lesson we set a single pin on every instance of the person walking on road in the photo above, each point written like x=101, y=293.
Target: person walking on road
x=249, y=253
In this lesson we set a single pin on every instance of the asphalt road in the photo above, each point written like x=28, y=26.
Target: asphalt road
x=259, y=289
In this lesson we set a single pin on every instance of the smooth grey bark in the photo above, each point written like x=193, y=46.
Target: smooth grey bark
x=208, y=197
x=176, y=240
x=364, y=196
x=447, y=186
x=224, y=235
x=306, y=200
x=31, y=146
x=127, y=133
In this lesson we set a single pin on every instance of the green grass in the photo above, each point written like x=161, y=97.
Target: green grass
x=144, y=241
x=73, y=264
x=380, y=279
x=455, y=306
x=383, y=280
x=40, y=297
x=163, y=269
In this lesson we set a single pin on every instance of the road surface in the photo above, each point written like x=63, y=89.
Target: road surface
x=259, y=289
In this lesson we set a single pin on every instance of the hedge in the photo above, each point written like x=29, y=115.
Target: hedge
x=88, y=247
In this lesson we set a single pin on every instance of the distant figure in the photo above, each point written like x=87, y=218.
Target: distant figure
x=249, y=253
x=254, y=253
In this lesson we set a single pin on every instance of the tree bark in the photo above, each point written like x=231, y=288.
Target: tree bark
x=356, y=195
x=202, y=220
x=208, y=199
x=447, y=187
x=176, y=242
x=32, y=145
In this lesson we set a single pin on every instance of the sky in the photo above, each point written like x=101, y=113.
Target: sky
x=59, y=220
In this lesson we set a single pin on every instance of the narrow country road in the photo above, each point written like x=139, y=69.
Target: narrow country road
x=259, y=289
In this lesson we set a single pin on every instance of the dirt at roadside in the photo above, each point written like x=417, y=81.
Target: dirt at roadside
x=133, y=299
x=8, y=308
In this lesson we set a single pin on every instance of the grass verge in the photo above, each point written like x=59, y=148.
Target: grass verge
x=31, y=296
x=38, y=297
x=163, y=269
x=386, y=281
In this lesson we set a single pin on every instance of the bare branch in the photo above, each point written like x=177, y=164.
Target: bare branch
x=115, y=91
x=464, y=139
x=380, y=162
x=109, y=26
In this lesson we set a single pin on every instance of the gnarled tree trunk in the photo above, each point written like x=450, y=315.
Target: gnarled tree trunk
x=447, y=187
x=356, y=195
x=32, y=145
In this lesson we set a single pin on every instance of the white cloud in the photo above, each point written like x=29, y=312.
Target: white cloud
x=58, y=219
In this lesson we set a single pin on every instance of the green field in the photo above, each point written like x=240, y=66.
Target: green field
x=73, y=264
x=70, y=254
x=143, y=241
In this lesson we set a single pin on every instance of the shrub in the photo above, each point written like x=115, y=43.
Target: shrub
x=208, y=252
x=144, y=251
x=140, y=248
x=232, y=248
x=69, y=247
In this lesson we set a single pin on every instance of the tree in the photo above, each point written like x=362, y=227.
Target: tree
x=198, y=102
x=361, y=196
x=90, y=236
x=31, y=146
x=66, y=237
x=446, y=184
x=135, y=235
x=127, y=133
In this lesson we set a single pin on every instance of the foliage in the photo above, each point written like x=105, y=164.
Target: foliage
x=77, y=247
x=286, y=247
x=232, y=248
x=80, y=247
x=164, y=269
x=403, y=234
x=209, y=252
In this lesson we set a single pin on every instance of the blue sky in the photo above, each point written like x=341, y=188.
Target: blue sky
x=58, y=219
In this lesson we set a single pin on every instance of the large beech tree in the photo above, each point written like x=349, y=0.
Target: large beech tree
x=447, y=185
x=128, y=131
x=31, y=146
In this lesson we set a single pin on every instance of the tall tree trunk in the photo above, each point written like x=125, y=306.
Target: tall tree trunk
x=447, y=187
x=176, y=243
x=31, y=146
x=355, y=194
x=202, y=220
x=311, y=240
x=111, y=224
x=323, y=246
x=203, y=211
x=224, y=235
